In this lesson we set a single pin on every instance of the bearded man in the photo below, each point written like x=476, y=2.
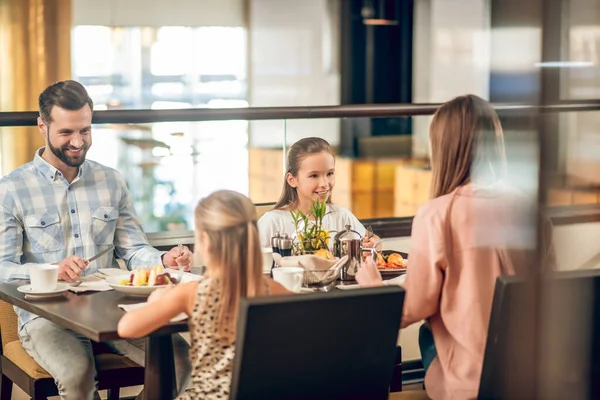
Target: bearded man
x=63, y=209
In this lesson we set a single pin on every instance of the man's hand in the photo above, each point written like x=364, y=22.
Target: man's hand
x=174, y=259
x=69, y=269
x=368, y=274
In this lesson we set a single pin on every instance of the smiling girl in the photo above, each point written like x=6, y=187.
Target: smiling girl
x=310, y=177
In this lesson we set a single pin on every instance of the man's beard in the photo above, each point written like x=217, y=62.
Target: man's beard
x=61, y=154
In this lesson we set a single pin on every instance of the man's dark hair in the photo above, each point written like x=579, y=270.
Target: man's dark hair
x=70, y=95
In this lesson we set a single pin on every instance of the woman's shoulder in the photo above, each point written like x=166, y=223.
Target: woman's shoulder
x=434, y=209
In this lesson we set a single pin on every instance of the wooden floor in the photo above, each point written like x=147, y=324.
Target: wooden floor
x=18, y=394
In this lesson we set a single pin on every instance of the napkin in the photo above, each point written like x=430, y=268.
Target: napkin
x=130, y=307
x=399, y=280
x=91, y=286
x=308, y=261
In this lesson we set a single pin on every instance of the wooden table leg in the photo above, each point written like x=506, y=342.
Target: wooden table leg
x=159, y=373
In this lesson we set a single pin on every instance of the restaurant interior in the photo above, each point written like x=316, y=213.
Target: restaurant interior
x=195, y=96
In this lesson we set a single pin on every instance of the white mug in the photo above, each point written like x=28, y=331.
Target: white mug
x=43, y=277
x=289, y=277
x=267, y=259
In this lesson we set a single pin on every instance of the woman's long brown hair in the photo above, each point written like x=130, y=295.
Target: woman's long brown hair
x=229, y=220
x=296, y=154
x=466, y=143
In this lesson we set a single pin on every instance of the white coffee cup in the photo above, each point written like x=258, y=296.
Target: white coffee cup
x=267, y=259
x=289, y=277
x=43, y=277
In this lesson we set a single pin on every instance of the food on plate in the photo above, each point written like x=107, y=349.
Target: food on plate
x=396, y=260
x=324, y=253
x=155, y=276
x=392, y=261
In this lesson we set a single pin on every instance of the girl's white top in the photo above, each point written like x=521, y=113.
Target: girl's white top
x=281, y=221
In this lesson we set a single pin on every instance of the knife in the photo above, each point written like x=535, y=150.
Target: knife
x=103, y=252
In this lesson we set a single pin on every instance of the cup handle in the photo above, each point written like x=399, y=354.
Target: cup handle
x=298, y=279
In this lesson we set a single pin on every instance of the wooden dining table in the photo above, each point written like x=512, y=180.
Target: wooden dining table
x=95, y=315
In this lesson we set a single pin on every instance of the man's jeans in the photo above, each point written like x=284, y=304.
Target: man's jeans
x=427, y=346
x=68, y=357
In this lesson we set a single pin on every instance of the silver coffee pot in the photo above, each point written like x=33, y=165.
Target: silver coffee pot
x=348, y=242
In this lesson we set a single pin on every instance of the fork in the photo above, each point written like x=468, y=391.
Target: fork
x=180, y=247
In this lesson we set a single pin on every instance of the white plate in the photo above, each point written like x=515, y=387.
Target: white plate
x=30, y=293
x=113, y=281
x=112, y=271
x=348, y=287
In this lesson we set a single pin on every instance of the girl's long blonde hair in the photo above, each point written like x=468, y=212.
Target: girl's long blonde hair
x=466, y=140
x=229, y=220
x=296, y=154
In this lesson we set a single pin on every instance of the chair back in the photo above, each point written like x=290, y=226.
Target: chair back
x=544, y=342
x=8, y=323
x=336, y=345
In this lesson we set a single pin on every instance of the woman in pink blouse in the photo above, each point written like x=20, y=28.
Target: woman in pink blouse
x=474, y=228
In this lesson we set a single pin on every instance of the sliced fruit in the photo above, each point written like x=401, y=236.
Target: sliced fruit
x=152, y=278
x=324, y=253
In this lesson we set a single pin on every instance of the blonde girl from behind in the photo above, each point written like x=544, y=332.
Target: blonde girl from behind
x=227, y=240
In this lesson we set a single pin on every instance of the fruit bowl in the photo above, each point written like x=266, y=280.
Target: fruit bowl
x=116, y=282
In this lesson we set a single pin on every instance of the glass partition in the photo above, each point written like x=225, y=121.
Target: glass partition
x=169, y=166
x=381, y=174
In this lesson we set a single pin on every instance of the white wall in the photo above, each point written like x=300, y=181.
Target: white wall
x=293, y=47
x=577, y=246
x=159, y=12
x=451, y=55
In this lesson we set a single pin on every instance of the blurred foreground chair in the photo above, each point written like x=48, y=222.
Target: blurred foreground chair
x=327, y=346
x=16, y=366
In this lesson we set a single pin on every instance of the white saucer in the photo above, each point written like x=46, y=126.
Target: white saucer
x=59, y=290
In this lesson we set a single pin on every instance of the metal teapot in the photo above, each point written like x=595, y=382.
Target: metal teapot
x=348, y=242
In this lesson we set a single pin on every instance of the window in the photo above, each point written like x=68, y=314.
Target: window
x=168, y=166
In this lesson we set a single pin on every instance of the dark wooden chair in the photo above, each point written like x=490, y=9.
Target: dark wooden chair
x=17, y=367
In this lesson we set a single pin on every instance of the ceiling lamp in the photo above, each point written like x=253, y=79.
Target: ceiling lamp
x=374, y=12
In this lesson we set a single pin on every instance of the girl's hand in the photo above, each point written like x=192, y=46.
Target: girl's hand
x=372, y=242
x=368, y=275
